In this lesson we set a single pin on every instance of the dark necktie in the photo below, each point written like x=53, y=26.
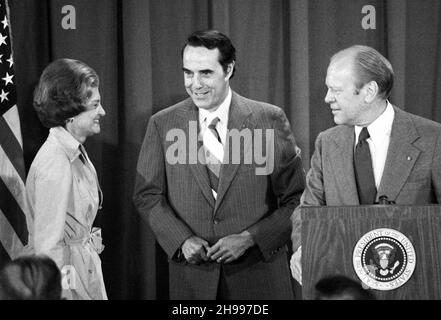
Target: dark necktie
x=364, y=174
x=213, y=148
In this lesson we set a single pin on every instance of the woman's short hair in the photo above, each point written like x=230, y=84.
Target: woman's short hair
x=33, y=277
x=63, y=90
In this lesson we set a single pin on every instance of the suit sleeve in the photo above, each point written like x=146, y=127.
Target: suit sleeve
x=436, y=170
x=288, y=182
x=150, y=195
x=314, y=194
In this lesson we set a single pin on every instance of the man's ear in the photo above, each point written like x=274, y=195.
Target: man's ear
x=371, y=91
x=230, y=69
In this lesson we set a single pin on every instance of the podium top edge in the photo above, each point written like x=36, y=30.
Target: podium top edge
x=374, y=206
x=370, y=212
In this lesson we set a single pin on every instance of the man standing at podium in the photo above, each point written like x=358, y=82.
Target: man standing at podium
x=375, y=150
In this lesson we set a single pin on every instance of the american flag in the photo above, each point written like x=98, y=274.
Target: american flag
x=13, y=207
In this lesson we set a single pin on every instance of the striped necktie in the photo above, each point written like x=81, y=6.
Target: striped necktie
x=214, y=153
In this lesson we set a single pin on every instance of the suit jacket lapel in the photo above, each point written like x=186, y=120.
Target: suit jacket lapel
x=238, y=113
x=342, y=160
x=401, y=155
x=199, y=170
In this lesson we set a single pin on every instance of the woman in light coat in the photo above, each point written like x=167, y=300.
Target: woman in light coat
x=62, y=186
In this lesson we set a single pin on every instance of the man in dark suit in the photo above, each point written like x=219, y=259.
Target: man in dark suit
x=221, y=217
x=375, y=150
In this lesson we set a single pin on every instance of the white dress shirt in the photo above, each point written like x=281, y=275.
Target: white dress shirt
x=379, y=132
x=205, y=117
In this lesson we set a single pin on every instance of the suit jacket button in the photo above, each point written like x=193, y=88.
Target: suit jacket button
x=216, y=221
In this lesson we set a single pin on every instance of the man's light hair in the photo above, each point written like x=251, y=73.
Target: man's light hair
x=370, y=65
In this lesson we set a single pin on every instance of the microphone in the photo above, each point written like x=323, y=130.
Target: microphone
x=383, y=199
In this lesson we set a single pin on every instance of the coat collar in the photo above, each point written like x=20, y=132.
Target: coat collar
x=342, y=161
x=67, y=142
x=240, y=111
x=401, y=155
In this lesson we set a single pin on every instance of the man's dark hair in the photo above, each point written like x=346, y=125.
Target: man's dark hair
x=212, y=39
x=338, y=287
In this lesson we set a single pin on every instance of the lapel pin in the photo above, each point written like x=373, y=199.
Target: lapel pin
x=409, y=158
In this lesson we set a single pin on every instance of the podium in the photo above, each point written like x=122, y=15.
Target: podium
x=330, y=236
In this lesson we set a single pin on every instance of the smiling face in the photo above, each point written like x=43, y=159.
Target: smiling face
x=346, y=102
x=87, y=123
x=204, y=78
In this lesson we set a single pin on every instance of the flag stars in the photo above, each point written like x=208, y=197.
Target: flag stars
x=8, y=79
x=10, y=60
x=3, y=96
x=2, y=39
x=5, y=22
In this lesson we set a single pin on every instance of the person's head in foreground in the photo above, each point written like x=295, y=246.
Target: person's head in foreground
x=33, y=277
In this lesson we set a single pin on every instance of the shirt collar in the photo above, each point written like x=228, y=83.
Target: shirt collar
x=380, y=127
x=67, y=142
x=221, y=112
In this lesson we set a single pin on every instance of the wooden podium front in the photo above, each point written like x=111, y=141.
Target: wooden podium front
x=330, y=234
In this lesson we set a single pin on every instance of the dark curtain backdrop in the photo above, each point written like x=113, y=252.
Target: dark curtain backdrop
x=283, y=49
